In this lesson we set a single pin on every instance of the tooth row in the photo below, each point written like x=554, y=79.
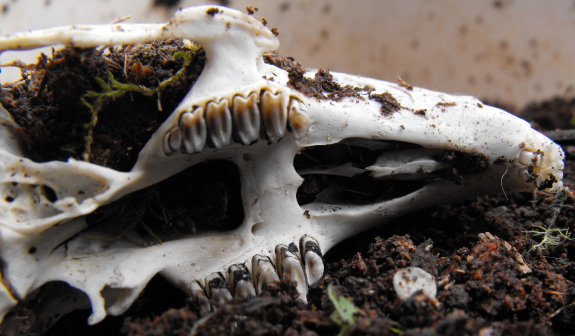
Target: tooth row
x=240, y=284
x=265, y=115
x=538, y=169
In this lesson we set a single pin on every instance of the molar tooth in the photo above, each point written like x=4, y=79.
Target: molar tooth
x=193, y=129
x=246, y=116
x=263, y=271
x=217, y=288
x=219, y=122
x=289, y=266
x=312, y=259
x=166, y=144
x=531, y=158
x=274, y=115
x=198, y=295
x=298, y=118
x=240, y=281
x=175, y=139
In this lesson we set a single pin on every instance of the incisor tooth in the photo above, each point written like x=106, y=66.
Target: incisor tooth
x=219, y=123
x=274, y=115
x=246, y=116
x=531, y=158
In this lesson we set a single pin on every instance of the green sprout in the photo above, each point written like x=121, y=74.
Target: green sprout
x=552, y=236
x=114, y=89
x=344, y=310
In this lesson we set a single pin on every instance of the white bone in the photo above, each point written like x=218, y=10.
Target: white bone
x=113, y=270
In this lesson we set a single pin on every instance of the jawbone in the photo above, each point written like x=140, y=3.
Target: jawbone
x=228, y=109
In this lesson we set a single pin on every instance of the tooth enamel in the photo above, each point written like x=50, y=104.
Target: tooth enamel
x=298, y=118
x=166, y=144
x=289, y=266
x=217, y=289
x=531, y=158
x=240, y=282
x=193, y=129
x=273, y=114
x=312, y=259
x=175, y=139
x=246, y=116
x=263, y=271
x=199, y=296
x=219, y=123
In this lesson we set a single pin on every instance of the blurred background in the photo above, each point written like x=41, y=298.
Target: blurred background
x=506, y=51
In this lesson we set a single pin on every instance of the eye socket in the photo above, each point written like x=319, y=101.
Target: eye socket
x=204, y=197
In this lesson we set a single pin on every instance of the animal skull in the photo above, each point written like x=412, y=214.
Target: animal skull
x=230, y=107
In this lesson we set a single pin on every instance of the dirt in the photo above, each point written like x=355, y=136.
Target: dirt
x=48, y=106
x=321, y=87
x=483, y=285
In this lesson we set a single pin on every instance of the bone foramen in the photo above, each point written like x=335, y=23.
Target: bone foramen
x=229, y=108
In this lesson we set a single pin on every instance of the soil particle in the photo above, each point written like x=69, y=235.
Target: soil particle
x=321, y=87
x=464, y=164
x=388, y=103
x=552, y=114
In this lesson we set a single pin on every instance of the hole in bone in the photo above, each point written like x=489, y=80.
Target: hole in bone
x=155, y=299
x=9, y=199
x=364, y=171
x=49, y=193
x=335, y=174
x=42, y=308
x=204, y=197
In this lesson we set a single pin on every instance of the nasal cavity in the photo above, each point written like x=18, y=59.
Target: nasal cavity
x=337, y=175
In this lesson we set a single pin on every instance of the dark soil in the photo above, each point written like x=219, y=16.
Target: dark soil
x=47, y=102
x=483, y=286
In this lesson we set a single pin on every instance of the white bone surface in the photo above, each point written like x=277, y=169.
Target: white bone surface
x=111, y=273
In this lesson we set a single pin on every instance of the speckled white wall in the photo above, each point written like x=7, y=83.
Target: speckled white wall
x=508, y=50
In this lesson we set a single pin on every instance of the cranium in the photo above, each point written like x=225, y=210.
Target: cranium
x=235, y=112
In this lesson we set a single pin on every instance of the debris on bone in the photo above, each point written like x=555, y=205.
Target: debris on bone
x=411, y=280
x=404, y=84
x=322, y=86
x=389, y=104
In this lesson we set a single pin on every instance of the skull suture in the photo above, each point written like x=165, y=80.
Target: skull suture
x=231, y=106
